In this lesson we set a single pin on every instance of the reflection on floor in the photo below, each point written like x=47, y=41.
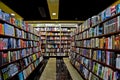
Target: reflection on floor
x=57, y=69
x=62, y=72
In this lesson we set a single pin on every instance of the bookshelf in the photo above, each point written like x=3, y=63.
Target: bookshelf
x=95, y=46
x=20, y=48
x=55, y=40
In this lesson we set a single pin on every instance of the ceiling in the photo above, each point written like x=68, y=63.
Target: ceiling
x=68, y=9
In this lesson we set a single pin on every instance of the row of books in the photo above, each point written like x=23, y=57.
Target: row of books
x=53, y=50
x=12, y=43
x=9, y=18
x=10, y=56
x=6, y=29
x=12, y=69
x=87, y=68
x=106, y=57
x=105, y=14
x=53, y=46
x=53, y=38
x=17, y=22
x=112, y=42
x=26, y=72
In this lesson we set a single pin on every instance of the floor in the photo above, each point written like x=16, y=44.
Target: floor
x=59, y=69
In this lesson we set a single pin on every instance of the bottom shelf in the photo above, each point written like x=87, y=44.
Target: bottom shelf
x=78, y=71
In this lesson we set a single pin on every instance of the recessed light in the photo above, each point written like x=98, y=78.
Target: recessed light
x=53, y=14
x=12, y=14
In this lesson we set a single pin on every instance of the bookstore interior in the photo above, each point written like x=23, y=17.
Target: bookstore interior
x=32, y=50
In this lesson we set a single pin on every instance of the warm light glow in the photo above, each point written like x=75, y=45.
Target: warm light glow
x=12, y=14
x=53, y=14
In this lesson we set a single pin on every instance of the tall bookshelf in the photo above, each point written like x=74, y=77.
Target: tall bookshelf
x=96, y=46
x=20, y=51
x=55, y=40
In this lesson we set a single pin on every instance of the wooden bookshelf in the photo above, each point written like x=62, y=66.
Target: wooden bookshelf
x=30, y=43
x=86, y=40
x=55, y=37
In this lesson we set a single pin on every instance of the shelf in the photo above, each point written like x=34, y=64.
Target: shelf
x=5, y=64
x=23, y=69
x=3, y=21
x=91, y=71
x=15, y=49
x=78, y=71
x=104, y=64
x=114, y=50
x=7, y=36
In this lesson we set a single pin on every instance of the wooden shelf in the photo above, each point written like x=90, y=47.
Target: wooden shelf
x=15, y=49
x=5, y=64
x=7, y=36
x=3, y=21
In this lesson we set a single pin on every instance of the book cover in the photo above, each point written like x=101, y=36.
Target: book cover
x=99, y=55
x=118, y=61
x=117, y=42
x=103, y=56
x=117, y=75
x=105, y=74
x=113, y=10
x=1, y=44
x=118, y=8
x=1, y=29
x=1, y=14
x=5, y=73
x=24, y=74
x=5, y=43
x=20, y=76
x=107, y=12
x=5, y=57
x=101, y=43
x=106, y=43
x=9, y=30
x=118, y=23
x=94, y=55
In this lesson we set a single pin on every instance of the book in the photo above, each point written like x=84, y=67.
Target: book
x=117, y=75
x=20, y=76
x=5, y=43
x=1, y=44
x=1, y=29
x=9, y=30
x=118, y=61
x=5, y=57
x=108, y=13
x=118, y=8
x=113, y=10
x=13, y=69
x=5, y=73
x=1, y=14
x=117, y=42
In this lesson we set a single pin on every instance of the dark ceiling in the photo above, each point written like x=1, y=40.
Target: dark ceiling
x=68, y=9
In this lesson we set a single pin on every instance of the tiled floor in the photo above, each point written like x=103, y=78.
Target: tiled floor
x=49, y=72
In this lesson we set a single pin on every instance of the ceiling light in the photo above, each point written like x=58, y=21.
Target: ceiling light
x=12, y=14
x=53, y=14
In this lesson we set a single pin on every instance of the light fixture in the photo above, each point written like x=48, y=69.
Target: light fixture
x=53, y=14
x=12, y=14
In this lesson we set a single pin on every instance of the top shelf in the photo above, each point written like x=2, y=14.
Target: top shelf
x=3, y=21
